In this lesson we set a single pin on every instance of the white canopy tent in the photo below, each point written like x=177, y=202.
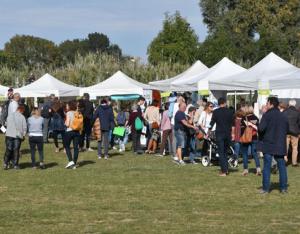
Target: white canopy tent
x=117, y=84
x=47, y=85
x=3, y=90
x=271, y=73
x=165, y=85
x=223, y=68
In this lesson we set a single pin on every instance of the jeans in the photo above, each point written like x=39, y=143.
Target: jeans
x=191, y=144
x=45, y=129
x=173, y=143
x=68, y=138
x=12, y=151
x=166, y=134
x=36, y=141
x=237, y=148
x=223, y=143
x=55, y=137
x=123, y=141
x=136, y=141
x=105, y=141
x=111, y=138
x=267, y=172
x=86, y=133
x=180, y=139
x=244, y=148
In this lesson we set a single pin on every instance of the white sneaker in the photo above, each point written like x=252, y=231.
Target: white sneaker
x=181, y=162
x=70, y=164
x=74, y=168
x=106, y=157
x=114, y=147
x=99, y=157
x=90, y=150
x=194, y=162
x=120, y=150
x=175, y=158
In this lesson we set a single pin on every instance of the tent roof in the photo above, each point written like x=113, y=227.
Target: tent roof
x=47, y=85
x=3, y=90
x=165, y=85
x=260, y=76
x=222, y=69
x=118, y=84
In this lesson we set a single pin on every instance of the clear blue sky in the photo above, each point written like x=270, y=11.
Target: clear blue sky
x=131, y=24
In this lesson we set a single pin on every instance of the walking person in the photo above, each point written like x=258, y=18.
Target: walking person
x=35, y=132
x=74, y=124
x=191, y=136
x=166, y=128
x=223, y=118
x=15, y=134
x=46, y=114
x=273, y=123
x=106, y=117
x=236, y=132
x=57, y=123
x=251, y=121
x=293, y=116
x=153, y=120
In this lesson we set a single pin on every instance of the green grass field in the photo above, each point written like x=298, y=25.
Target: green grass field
x=140, y=194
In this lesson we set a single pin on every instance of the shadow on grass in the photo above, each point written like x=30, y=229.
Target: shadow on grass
x=274, y=186
x=86, y=162
x=29, y=165
x=25, y=151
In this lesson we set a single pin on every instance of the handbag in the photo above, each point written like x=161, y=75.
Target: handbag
x=247, y=135
x=119, y=131
x=154, y=125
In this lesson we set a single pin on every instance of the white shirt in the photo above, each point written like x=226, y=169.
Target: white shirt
x=175, y=109
x=204, y=120
x=12, y=108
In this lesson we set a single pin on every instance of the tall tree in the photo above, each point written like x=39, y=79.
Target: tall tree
x=255, y=28
x=33, y=51
x=176, y=42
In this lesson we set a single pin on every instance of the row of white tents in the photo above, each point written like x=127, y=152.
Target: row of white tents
x=272, y=74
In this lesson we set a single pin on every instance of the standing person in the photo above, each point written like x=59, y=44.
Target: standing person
x=106, y=117
x=293, y=116
x=13, y=105
x=46, y=114
x=223, y=118
x=4, y=110
x=141, y=104
x=35, y=131
x=153, y=120
x=57, y=123
x=72, y=133
x=273, y=123
x=87, y=111
x=15, y=133
x=136, y=131
x=250, y=120
x=121, y=122
x=180, y=131
x=191, y=135
x=27, y=110
x=166, y=129
x=236, y=132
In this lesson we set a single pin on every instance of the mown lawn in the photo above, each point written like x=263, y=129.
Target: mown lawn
x=140, y=194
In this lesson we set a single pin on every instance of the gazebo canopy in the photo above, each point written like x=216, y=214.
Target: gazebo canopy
x=117, y=84
x=47, y=85
x=166, y=85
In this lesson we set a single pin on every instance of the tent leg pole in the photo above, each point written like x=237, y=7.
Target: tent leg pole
x=235, y=100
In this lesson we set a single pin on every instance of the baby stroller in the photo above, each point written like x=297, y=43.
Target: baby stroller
x=212, y=153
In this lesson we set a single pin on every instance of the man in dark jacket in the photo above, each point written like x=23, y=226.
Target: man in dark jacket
x=47, y=114
x=273, y=129
x=87, y=111
x=224, y=120
x=105, y=114
x=293, y=116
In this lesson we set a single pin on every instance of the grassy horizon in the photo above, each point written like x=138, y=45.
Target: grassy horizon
x=140, y=194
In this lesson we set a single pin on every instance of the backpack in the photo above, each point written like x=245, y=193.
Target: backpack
x=121, y=118
x=77, y=123
x=57, y=122
x=138, y=124
x=45, y=111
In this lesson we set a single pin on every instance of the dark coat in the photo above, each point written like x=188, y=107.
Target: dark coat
x=293, y=116
x=88, y=110
x=106, y=117
x=223, y=117
x=272, y=131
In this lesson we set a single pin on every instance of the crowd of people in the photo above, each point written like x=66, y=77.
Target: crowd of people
x=177, y=128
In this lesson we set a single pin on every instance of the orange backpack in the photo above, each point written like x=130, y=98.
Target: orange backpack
x=77, y=123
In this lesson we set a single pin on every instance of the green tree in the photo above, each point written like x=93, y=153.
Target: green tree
x=176, y=42
x=255, y=28
x=33, y=51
